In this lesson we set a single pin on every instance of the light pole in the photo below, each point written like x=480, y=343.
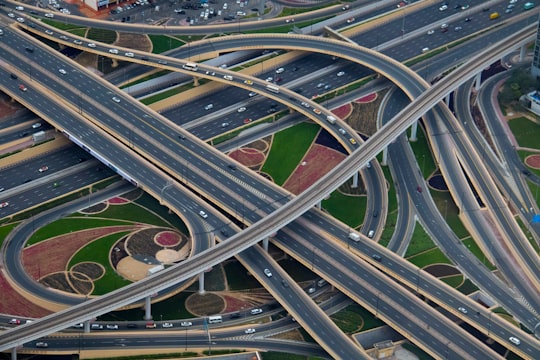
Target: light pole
x=423, y=163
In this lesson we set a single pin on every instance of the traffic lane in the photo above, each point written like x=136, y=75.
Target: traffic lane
x=371, y=294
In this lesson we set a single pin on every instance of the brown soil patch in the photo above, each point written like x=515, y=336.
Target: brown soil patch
x=54, y=254
x=363, y=117
x=238, y=301
x=8, y=107
x=65, y=282
x=134, y=41
x=91, y=270
x=95, y=209
x=249, y=157
x=131, y=269
x=203, y=305
x=133, y=195
x=142, y=242
x=442, y=270
x=533, y=161
x=318, y=161
x=11, y=302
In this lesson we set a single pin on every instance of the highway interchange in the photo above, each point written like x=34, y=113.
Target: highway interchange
x=87, y=106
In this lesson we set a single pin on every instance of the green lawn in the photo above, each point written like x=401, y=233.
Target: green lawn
x=526, y=132
x=433, y=256
x=454, y=281
x=420, y=241
x=475, y=249
x=422, y=152
x=5, y=230
x=162, y=43
x=447, y=208
x=467, y=287
x=522, y=155
x=288, y=148
x=348, y=209
x=238, y=277
x=355, y=318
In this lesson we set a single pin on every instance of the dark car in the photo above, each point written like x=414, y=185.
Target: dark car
x=235, y=315
x=131, y=326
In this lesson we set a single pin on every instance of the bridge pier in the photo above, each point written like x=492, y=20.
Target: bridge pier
x=195, y=81
x=147, y=308
x=14, y=353
x=355, y=180
x=414, y=131
x=522, y=53
x=201, y=283
x=384, y=161
x=319, y=204
x=87, y=326
x=478, y=81
x=265, y=244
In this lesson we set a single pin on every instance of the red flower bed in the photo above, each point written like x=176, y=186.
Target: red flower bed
x=367, y=98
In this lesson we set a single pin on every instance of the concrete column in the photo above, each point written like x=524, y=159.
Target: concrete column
x=14, y=353
x=195, y=81
x=414, y=131
x=319, y=204
x=478, y=81
x=447, y=99
x=522, y=53
x=265, y=244
x=355, y=180
x=384, y=161
x=201, y=283
x=147, y=308
x=87, y=326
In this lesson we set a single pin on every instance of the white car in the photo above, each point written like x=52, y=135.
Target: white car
x=167, y=325
x=341, y=73
x=514, y=340
x=11, y=15
x=62, y=71
x=41, y=344
x=431, y=32
x=225, y=124
x=186, y=323
x=462, y=310
x=444, y=7
x=115, y=99
x=203, y=214
x=208, y=107
x=49, y=15
x=269, y=79
x=113, y=51
x=91, y=45
x=256, y=311
x=129, y=54
x=250, y=331
x=19, y=8
x=20, y=19
x=112, y=327
x=280, y=70
x=268, y=273
x=242, y=109
x=252, y=94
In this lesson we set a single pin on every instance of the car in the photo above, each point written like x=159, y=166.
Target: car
x=209, y=106
x=401, y=4
x=225, y=124
x=203, y=214
x=150, y=325
x=241, y=109
x=49, y=32
x=112, y=327
x=96, y=327
x=458, y=28
x=3, y=205
x=419, y=189
x=162, y=62
x=326, y=87
x=62, y=71
x=284, y=283
x=250, y=331
x=36, y=125
x=20, y=19
x=289, y=20
x=129, y=54
x=78, y=326
x=513, y=1
x=311, y=290
x=252, y=94
x=91, y=45
x=345, y=7
x=167, y=325
x=444, y=26
x=13, y=321
x=11, y=15
x=462, y=310
x=376, y=257
x=235, y=315
x=279, y=79
x=77, y=41
x=248, y=82
x=342, y=131
x=443, y=8
x=280, y=70
x=256, y=311
x=320, y=85
x=23, y=87
x=304, y=104
x=19, y=8
x=352, y=141
x=269, y=79
x=49, y=15
x=424, y=50
x=268, y=273
x=468, y=19
x=247, y=120
x=514, y=340
x=510, y=6
x=41, y=344
x=341, y=73
x=465, y=7
x=186, y=323
x=116, y=99
x=443, y=30
x=457, y=6
x=431, y=32
x=43, y=169
x=113, y=51
x=508, y=11
x=63, y=37
x=317, y=111
x=350, y=20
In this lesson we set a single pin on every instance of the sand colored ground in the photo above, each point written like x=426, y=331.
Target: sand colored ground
x=132, y=269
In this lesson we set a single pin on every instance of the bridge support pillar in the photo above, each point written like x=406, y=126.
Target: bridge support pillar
x=414, y=131
x=319, y=204
x=447, y=99
x=147, y=308
x=384, y=161
x=265, y=244
x=195, y=81
x=201, y=283
x=522, y=53
x=87, y=326
x=478, y=81
x=355, y=180
x=14, y=353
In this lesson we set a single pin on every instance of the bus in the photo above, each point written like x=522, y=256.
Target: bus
x=272, y=88
x=190, y=66
x=528, y=6
x=215, y=319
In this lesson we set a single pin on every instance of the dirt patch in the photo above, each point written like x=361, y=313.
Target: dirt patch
x=134, y=41
x=318, y=161
x=363, y=117
x=11, y=302
x=64, y=281
x=203, y=305
x=142, y=242
x=442, y=270
x=250, y=157
x=8, y=107
x=132, y=269
x=91, y=270
x=533, y=161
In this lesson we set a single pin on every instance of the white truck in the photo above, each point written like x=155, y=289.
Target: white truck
x=354, y=237
x=331, y=119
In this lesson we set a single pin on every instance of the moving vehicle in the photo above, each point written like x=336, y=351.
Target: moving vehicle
x=493, y=15
x=528, y=6
x=280, y=70
x=256, y=311
x=514, y=340
x=112, y=327
x=241, y=109
x=250, y=331
x=331, y=119
x=354, y=237
x=203, y=214
x=41, y=344
x=36, y=125
x=272, y=88
x=150, y=325
x=370, y=234
x=341, y=73
x=462, y=310
x=321, y=283
x=268, y=273
x=215, y=319
x=228, y=77
x=209, y=106
x=190, y=66
x=23, y=87
x=43, y=169
x=167, y=325
x=115, y=99
x=12, y=321
x=129, y=54
x=62, y=71
x=113, y=51
x=91, y=45
x=317, y=111
x=186, y=323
